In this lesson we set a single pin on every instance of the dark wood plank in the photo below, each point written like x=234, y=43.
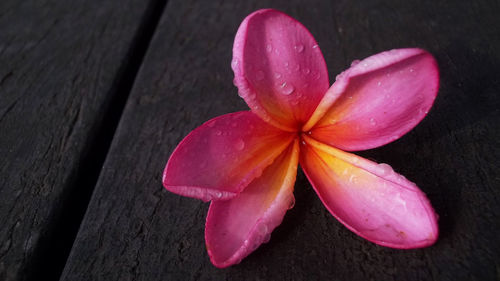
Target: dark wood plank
x=135, y=230
x=64, y=71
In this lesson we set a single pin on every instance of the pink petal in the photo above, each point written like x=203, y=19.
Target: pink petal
x=221, y=157
x=237, y=227
x=369, y=198
x=379, y=100
x=279, y=69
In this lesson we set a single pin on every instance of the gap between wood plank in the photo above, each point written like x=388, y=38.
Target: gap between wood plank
x=50, y=256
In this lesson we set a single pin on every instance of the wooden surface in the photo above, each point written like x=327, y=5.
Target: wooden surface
x=67, y=71
x=64, y=71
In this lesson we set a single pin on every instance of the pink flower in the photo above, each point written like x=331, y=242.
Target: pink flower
x=246, y=162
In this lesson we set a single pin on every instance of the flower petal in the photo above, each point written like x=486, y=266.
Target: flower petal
x=221, y=157
x=236, y=227
x=369, y=198
x=379, y=100
x=279, y=69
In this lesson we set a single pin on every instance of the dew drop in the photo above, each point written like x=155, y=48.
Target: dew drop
x=266, y=238
x=411, y=70
x=235, y=64
x=269, y=48
x=259, y=75
x=306, y=70
x=353, y=179
x=218, y=133
x=315, y=47
x=299, y=48
x=262, y=229
x=292, y=202
x=211, y=124
x=277, y=75
x=239, y=144
x=287, y=88
x=286, y=64
x=354, y=62
x=303, y=142
x=217, y=194
x=373, y=122
x=385, y=169
x=379, y=83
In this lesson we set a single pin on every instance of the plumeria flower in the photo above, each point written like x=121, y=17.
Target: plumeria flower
x=245, y=163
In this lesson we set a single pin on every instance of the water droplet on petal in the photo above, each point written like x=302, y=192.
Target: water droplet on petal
x=217, y=194
x=218, y=133
x=287, y=88
x=315, y=46
x=354, y=62
x=259, y=75
x=292, y=202
x=262, y=228
x=235, y=65
x=411, y=70
x=211, y=124
x=385, y=169
x=266, y=238
x=379, y=83
x=277, y=75
x=299, y=48
x=269, y=48
x=353, y=179
x=373, y=122
x=306, y=70
x=239, y=144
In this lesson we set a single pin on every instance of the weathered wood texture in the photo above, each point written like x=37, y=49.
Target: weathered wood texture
x=61, y=69
x=135, y=230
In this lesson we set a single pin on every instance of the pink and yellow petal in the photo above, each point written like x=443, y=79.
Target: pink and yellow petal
x=377, y=100
x=221, y=157
x=369, y=198
x=279, y=69
x=237, y=227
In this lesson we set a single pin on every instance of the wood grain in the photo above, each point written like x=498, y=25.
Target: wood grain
x=135, y=230
x=64, y=71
